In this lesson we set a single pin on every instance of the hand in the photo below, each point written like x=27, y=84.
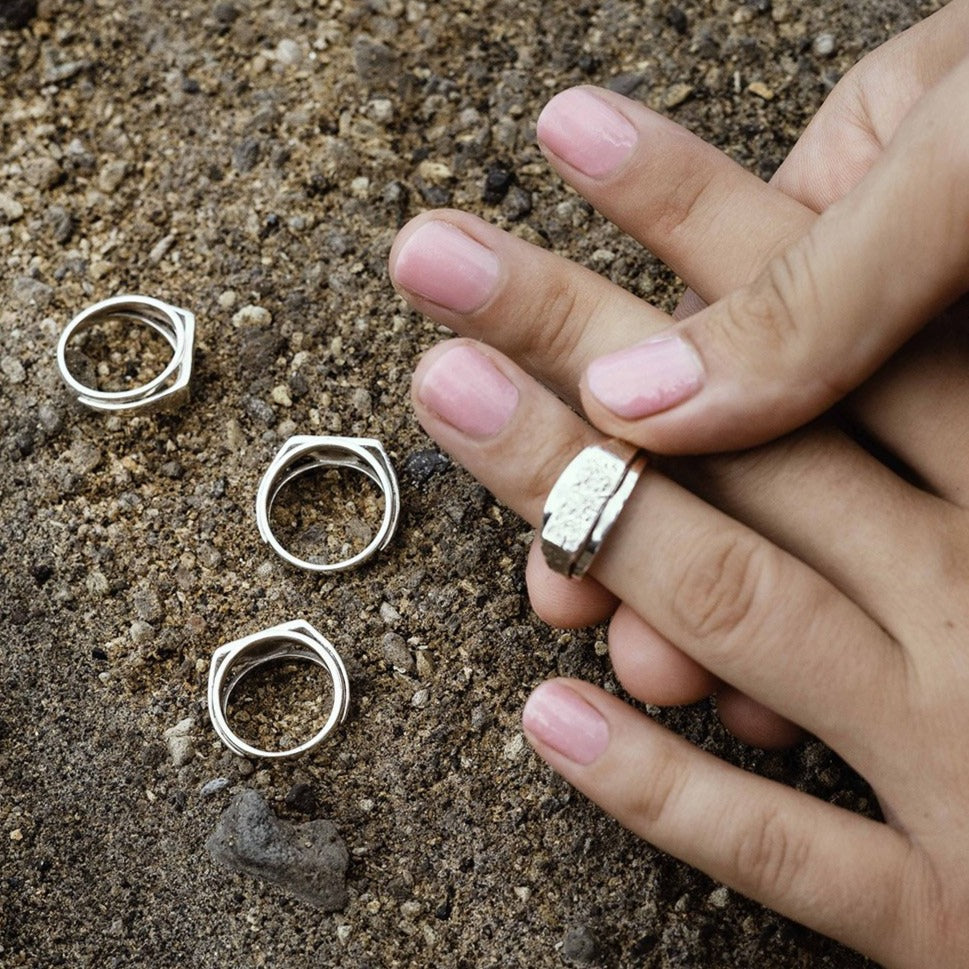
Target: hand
x=673, y=164
x=799, y=610
x=817, y=318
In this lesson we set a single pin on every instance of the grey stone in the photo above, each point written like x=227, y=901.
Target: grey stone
x=375, y=63
x=28, y=291
x=214, y=786
x=397, y=652
x=246, y=155
x=60, y=222
x=13, y=369
x=181, y=746
x=580, y=946
x=306, y=860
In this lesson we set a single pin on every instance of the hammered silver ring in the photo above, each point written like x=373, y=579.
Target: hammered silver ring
x=234, y=661
x=167, y=389
x=303, y=454
x=586, y=501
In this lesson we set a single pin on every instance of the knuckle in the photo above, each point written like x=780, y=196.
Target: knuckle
x=770, y=855
x=659, y=795
x=547, y=459
x=687, y=198
x=561, y=319
x=720, y=594
x=774, y=313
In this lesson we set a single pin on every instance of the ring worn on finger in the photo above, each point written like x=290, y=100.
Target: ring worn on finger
x=167, y=389
x=234, y=661
x=585, y=503
x=303, y=454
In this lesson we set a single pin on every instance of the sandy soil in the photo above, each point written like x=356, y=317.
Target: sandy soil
x=251, y=160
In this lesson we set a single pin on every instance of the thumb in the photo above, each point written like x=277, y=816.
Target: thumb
x=823, y=314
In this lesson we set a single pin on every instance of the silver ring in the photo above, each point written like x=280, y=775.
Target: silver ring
x=292, y=640
x=300, y=455
x=164, y=391
x=585, y=503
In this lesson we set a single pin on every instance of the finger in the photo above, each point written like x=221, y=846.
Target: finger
x=771, y=355
x=750, y=613
x=547, y=313
x=753, y=723
x=708, y=219
x=807, y=859
x=561, y=602
x=650, y=668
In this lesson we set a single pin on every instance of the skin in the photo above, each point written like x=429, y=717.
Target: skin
x=770, y=575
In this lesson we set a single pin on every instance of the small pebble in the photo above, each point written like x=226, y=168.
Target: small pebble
x=580, y=946
x=420, y=698
x=824, y=45
x=43, y=173
x=381, y=110
x=289, y=52
x=10, y=208
x=280, y=395
x=397, y=653
x=252, y=315
x=246, y=155
x=97, y=584
x=761, y=90
x=112, y=175
x=389, y=614
x=13, y=369
x=677, y=94
x=497, y=182
x=181, y=747
x=141, y=632
x=375, y=63
x=213, y=786
x=61, y=223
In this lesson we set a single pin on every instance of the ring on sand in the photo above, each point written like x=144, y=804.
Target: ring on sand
x=167, y=389
x=301, y=455
x=234, y=661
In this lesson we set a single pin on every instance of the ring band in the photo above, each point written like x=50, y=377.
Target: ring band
x=292, y=640
x=585, y=503
x=164, y=391
x=300, y=455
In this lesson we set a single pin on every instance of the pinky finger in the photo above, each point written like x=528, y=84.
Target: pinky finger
x=829, y=869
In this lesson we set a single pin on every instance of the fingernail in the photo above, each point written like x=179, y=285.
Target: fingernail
x=647, y=378
x=464, y=388
x=586, y=132
x=559, y=717
x=448, y=267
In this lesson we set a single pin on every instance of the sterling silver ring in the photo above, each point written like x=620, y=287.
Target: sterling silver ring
x=167, y=389
x=585, y=503
x=300, y=455
x=234, y=661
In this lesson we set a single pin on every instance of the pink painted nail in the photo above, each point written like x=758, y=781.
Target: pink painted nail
x=464, y=388
x=559, y=717
x=647, y=378
x=448, y=267
x=586, y=132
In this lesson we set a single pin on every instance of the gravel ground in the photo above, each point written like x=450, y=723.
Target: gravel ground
x=251, y=160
